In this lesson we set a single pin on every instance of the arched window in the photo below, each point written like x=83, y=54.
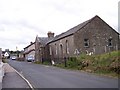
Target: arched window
x=86, y=42
x=61, y=50
x=110, y=42
x=55, y=49
x=67, y=47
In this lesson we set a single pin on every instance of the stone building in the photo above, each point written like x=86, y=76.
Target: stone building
x=41, y=47
x=93, y=36
x=29, y=50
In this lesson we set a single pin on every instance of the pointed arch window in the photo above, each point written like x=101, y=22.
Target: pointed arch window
x=55, y=49
x=61, y=50
x=67, y=47
x=86, y=43
x=110, y=42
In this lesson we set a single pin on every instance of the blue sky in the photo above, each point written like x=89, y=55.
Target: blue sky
x=22, y=20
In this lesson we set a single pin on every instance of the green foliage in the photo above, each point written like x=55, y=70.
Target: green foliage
x=104, y=63
x=108, y=63
x=4, y=60
x=46, y=63
x=72, y=62
x=37, y=62
x=60, y=65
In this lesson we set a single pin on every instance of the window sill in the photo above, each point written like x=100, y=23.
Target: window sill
x=86, y=46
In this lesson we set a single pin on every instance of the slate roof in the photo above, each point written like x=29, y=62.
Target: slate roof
x=44, y=40
x=72, y=30
x=29, y=45
x=69, y=32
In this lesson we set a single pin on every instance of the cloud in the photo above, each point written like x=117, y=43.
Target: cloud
x=119, y=17
x=22, y=20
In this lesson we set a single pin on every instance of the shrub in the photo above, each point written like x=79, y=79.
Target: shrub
x=46, y=63
x=4, y=60
x=72, y=62
x=115, y=65
x=108, y=63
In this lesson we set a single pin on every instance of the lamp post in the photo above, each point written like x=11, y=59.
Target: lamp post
x=17, y=51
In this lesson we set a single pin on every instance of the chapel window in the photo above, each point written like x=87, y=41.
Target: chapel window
x=86, y=42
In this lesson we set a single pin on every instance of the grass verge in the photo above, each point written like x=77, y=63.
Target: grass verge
x=107, y=64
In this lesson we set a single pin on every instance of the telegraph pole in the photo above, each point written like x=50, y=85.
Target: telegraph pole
x=17, y=52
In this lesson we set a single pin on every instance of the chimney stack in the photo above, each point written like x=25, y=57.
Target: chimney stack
x=50, y=34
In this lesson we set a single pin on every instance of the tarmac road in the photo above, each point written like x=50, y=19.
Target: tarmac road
x=42, y=76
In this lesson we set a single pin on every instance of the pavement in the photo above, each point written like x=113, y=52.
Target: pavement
x=12, y=79
x=1, y=73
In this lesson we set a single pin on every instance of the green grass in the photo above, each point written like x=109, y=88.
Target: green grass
x=46, y=63
x=104, y=64
x=37, y=62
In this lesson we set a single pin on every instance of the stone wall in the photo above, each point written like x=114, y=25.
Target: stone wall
x=98, y=33
x=30, y=50
x=62, y=48
x=37, y=49
x=1, y=69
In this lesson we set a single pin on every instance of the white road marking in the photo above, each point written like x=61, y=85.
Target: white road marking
x=24, y=79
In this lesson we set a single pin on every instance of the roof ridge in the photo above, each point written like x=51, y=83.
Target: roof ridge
x=74, y=29
x=89, y=20
x=42, y=37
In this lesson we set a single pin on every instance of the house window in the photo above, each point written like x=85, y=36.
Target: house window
x=86, y=42
x=61, y=50
x=110, y=42
x=67, y=47
x=55, y=48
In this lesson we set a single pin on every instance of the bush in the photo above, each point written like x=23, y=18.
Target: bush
x=46, y=63
x=4, y=60
x=108, y=63
x=115, y=65
x=73, y=62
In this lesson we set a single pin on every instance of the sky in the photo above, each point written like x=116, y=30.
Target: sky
x=22, y=20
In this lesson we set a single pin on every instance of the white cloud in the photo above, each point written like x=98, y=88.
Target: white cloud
x=22, y=20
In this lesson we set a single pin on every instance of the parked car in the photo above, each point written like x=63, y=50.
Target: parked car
x=30, y=58
x=13, y=57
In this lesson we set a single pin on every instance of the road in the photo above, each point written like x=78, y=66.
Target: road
x=42, y=76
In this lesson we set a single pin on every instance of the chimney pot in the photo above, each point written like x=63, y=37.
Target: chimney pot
x=31, y=42
x=50, y=34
